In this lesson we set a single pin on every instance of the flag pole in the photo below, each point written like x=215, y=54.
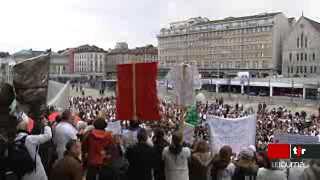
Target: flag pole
x=134, y=94
x=183, y=107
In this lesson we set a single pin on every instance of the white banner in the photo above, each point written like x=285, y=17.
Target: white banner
x=295, y=139
x=185, y=79
x=114, y=127
x=237, y=133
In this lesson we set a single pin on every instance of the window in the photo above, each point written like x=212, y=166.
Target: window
x=298, y=41
x=315, y=69
x=306, y=42
x=290, y=57
x=297, y=56
x=297, y=70
x=314, y=56
x=305, y=69
x=288, y=70
x=291, y=69
x=305, y=57
x=301, y=40
x=311, y=69
x=301, y=56
x=301, y=69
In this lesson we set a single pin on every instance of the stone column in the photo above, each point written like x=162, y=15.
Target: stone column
x=242, y=89
x=217, y=88
x=304, y=93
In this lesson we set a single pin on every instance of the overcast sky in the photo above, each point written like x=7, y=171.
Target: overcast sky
x=58, y=24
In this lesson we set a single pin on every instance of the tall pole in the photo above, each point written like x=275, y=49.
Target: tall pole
x=270, y=93
x=248, y=88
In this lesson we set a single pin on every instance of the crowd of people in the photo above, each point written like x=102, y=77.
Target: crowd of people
x=270, y=121
x=78, y=145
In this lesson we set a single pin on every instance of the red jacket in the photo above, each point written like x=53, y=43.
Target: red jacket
x=94, y=144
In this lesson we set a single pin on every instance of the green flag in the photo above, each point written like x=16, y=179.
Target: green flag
x=192, y=116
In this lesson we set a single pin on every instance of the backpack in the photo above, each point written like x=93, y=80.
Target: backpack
x=19, y=159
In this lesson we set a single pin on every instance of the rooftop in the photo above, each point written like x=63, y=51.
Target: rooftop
x=261, y=15
x=315, y=24
x=88, y=48
x=148, y=49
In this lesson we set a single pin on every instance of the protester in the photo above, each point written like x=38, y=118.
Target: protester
x=117, y=166
x=176, y=159
x=296, y=173
x=93, y=145
x=141, y=158
x=246, y=167
x=130, y=135
x=269, y=122
x=69, y=168
x=222, y=167
x=267, y=172
x=159, y=144
x=201, y=161
x=32, y=143
x=64, y=132
x=313, y=171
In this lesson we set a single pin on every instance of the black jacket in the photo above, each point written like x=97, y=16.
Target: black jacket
x=141, y=161
x=159, y=163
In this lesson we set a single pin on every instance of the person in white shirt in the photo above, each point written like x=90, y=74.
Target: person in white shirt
x=64, y=132
x=32, y=143
x=176, y=158
x=267, y=172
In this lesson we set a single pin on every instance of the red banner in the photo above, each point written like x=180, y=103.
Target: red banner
x=137, y=92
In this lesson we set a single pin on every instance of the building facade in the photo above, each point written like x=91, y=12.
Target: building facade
x=6, y=64
x=227, y=46
x=90, y=60
x=59, y=64
x=301, y=50
x=69, y=52
x=124, y=55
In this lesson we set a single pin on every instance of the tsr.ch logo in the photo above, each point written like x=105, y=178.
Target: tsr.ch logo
x=298, y=151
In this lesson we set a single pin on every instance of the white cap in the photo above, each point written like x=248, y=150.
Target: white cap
x=252, y=148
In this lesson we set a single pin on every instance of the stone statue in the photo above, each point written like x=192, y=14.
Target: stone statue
x=7, y=122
